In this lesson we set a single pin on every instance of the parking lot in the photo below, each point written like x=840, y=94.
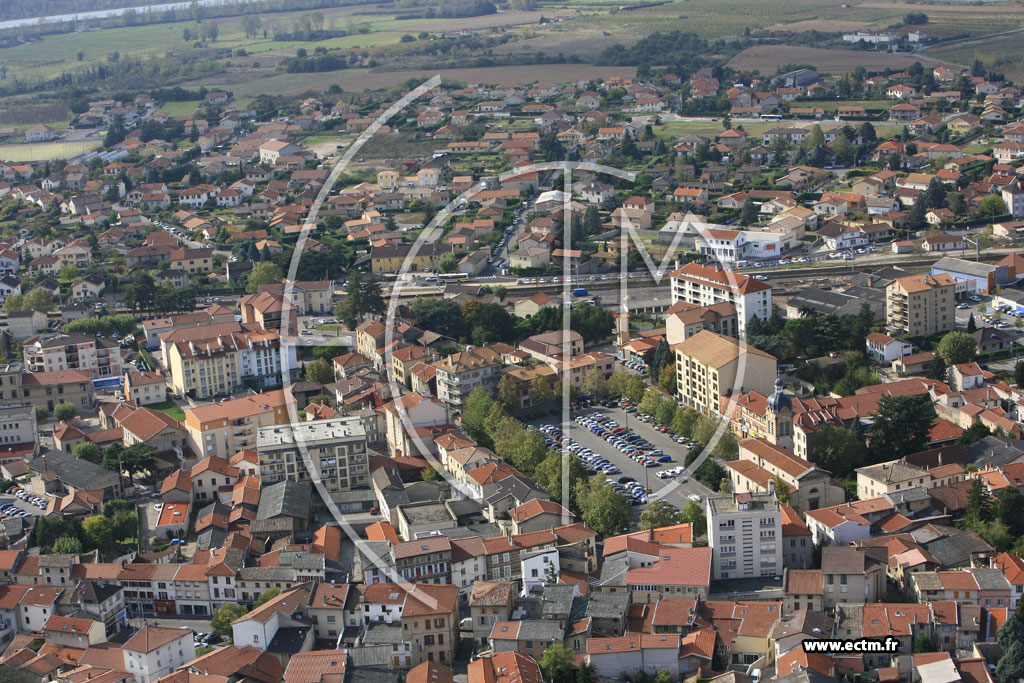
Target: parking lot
x=10, y=503
x=1005, y=320
x=674, y=491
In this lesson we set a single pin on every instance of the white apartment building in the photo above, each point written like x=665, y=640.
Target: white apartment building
x=460, y=373
x=336, y=448
x=745, y=535
x=708, y=285
x=154, y=652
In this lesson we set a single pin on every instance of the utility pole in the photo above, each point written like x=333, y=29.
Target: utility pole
x=977, y=247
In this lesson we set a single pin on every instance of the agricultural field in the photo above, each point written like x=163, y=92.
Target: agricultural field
x=1004, y=53
x=42, y=151
x=365, y=79
x=768, y=58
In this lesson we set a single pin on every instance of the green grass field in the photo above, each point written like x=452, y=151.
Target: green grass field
x=170, y=408
x=179, y=108
x=45, y=151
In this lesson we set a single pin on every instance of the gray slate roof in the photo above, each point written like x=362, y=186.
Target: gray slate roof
x=286, y=498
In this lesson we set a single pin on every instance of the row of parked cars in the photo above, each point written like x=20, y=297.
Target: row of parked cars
x=28, y=497
x=594, y=462
x=206, y=638
x=12, y=510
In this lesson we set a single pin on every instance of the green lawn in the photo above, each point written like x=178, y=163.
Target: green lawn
x=179, y=108
x=171, y=408
x=45, y=151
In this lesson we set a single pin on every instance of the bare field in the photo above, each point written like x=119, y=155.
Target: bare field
x=513, y=18
x=824, y=25
x=363, y=79
x=768, y=58
x=582, y=43
x=1015, y=7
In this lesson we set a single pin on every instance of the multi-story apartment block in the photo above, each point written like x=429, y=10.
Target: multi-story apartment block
x=710, y=365
x=230, y=426
x=462, y=372
x=920, y=304
x=205, y=367
x=335, y=448
x=745, y=535
x=52, y=352
x=706, y=285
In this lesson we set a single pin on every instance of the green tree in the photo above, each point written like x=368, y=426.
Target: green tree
x=67, y=545
x=603, y=510
x=140, y=293
x=693, y=513
x=978, y=510
x=816, y=138
x=902, y=426
x=42, y=412
x=133, y=459
x=431, y=474
x=683, y=421
x=549, y=475
x=98, y=532
x=508, y=394
x=264, y=273
x=594, y=323
x=477, y=408
x=64, y=411
x=782, y=490
x=651, y=400
x=618, y=383
x=1012, y=630
x=992, y=205
x=957, y=347
x=939, y=370
x=837, y=450
x=223, y=616
x=924, y=643
x=1018, y=374
x=662, y=356
x=665, y=412
x=1011, y=665
x=320, y=371
x=88, y=451
x=659, y=514
x=448, y=263
x=267, y=596
x=635, y=388
x=594, y=383
x=973, y=434
x=540, y=391
x=439, y=315
x=363, y=298
x=748, y=214
x=556, y=664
